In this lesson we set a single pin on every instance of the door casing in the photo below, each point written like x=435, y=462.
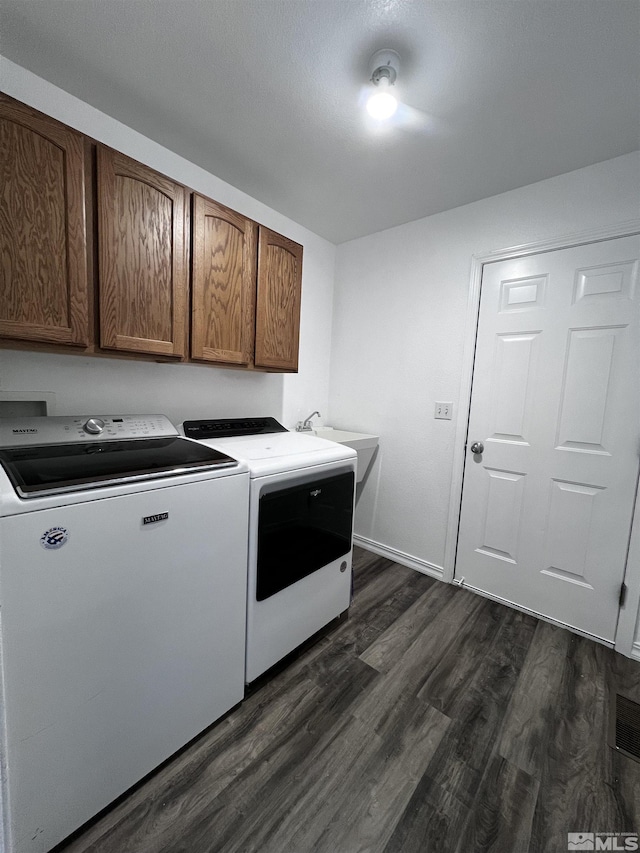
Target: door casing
x=624, y=641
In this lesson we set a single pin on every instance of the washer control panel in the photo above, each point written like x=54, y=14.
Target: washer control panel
x=23, y=432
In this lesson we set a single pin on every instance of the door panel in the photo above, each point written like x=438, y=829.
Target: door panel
x=571, y=507
x=587, y=380
x=523, y=294
x=502, y=514
x=616, y=280
x=546, y=509
x=514, y=366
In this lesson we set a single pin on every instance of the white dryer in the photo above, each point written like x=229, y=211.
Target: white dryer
x=300, y=531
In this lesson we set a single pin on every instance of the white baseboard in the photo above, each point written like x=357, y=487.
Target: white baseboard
x=398, y=556
x=635, y=650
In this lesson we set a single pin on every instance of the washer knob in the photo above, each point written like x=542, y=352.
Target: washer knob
x=94, y=426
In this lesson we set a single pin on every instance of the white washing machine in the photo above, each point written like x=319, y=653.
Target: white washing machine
x=300, y=531
x=123, y=551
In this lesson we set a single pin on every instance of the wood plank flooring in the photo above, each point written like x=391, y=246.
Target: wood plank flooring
x=430, y=720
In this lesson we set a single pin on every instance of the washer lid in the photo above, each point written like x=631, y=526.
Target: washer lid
x=49, y=469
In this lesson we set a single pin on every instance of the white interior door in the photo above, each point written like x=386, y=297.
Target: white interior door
x=547, y=506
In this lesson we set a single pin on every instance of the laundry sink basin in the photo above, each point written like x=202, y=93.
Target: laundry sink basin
x=364, y=445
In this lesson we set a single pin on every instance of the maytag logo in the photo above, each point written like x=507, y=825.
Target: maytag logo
x=152, y=519
x=24, y=430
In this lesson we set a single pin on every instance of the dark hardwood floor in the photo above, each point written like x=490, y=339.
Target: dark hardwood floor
x=429, y=720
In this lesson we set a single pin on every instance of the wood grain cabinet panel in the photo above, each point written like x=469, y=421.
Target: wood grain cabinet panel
x=43, y=248
x=278, y=301
x=223, y=283
x=142, y=261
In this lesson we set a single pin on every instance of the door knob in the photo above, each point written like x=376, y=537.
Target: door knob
x=477, y=447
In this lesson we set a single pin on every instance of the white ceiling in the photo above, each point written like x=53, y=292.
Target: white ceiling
x=265, y=93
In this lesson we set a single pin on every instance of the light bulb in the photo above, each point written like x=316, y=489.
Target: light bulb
x=382, y=105
x=383, y=67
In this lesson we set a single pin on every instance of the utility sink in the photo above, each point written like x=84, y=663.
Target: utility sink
x=364, y=445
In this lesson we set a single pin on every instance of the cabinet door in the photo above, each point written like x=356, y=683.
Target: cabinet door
x=142, y=257
x=223, y=283
x=278, y=301
x=43, y=250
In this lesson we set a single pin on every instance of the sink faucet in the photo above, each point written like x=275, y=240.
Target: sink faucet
x=307, y=424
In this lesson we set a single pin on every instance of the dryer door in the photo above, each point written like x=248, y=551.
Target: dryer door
x=301, y=529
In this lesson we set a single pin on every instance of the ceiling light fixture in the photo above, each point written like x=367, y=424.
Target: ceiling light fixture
x=384, y=66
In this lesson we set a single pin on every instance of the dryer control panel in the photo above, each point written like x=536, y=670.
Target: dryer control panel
x=231, y=427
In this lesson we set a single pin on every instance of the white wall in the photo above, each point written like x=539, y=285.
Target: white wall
x=83, y=384
x=399, y=322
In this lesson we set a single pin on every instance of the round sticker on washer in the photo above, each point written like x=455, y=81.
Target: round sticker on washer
x=54, y=538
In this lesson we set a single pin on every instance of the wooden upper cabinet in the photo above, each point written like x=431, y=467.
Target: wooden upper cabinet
x=246, y=279
x=223, y=285
x=44, y=281
x=142, y=264
x=278, y=301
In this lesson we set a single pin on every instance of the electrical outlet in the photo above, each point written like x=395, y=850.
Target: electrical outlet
x=444, y=411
